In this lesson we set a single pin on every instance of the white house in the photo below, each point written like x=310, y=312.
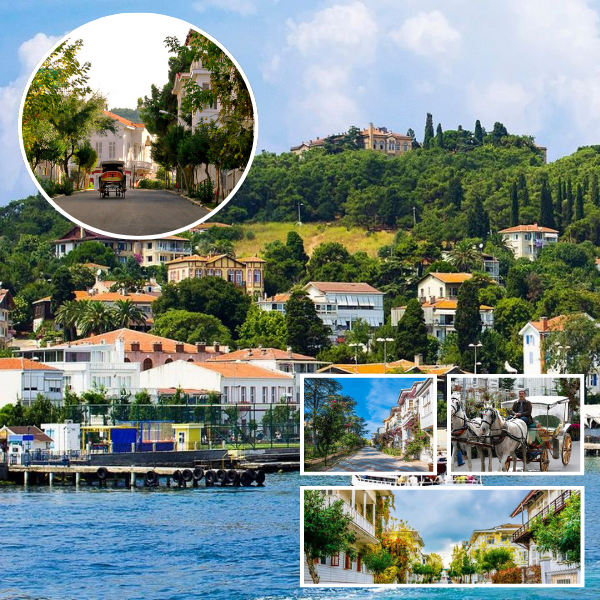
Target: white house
x=237, y=382
x=529, y=240
x=23, y=379
x=538, y=503
x=66, y=437
x=434, y=286
x=131, y=143
x=341, y=568
x=339, y=304
x=7, y=305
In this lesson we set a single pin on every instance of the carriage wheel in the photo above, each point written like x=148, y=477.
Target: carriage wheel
x=544, y=460
x=566, y=449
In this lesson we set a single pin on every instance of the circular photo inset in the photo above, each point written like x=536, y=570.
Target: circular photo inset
x=138, y=136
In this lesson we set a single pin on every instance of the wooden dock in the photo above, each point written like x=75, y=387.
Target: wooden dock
x=592, y=449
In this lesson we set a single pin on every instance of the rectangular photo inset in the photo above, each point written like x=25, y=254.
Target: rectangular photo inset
x=459, y=536
x=369, y=424
x=515, y=424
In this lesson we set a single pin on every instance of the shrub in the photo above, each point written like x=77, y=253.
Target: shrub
x=65, y=186
x=515, y=575
x=204, y=192
x=48, y=186
x=250, y=235
x=151, y=184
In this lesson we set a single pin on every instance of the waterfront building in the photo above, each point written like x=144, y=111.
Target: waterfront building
x=254, y=388
x=247, y=274
x=535, y=350
x=22, y=379
x=341, y=568
x=146, y=252
x=32, y=440
x=541, y=503
x=7, y=305
x=529, y=240
x=500, y=536
x=187, y=436
x=378, y=139
x=66, y=437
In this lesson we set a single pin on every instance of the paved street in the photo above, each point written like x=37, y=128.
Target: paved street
x=555, y=466
x=371, y=459
x=141, y=212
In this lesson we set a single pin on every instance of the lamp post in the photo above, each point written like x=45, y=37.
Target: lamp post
x=299, y=219
x=559, y=348
x=355, y=346
x=385, y=341
x=475, y=346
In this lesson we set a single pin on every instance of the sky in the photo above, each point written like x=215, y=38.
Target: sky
x=375, y=396
x=319, y=66
x=452, y=515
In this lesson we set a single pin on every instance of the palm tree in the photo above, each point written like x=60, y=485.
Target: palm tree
x=126, y=313
x=465, y=256
x=96, y=318
x=68, y=315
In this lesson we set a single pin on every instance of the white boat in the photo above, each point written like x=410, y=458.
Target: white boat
x=414, y=480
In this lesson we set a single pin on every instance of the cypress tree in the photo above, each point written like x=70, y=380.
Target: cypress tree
x=558, y=209
x=411, y=338
x=546, y=206
x=455, y=193
x=514, y=204
x=579, y=204
x=478, y=135
x=468, y=318
x=569, y=204
x=439, y=136
x=478, y=221
x=523, y=189
x=594, y=191
x=428, y=137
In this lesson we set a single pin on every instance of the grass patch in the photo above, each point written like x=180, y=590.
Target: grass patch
x=355, y=239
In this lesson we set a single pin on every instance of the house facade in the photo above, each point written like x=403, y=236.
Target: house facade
x=434, y=286
x=146, y=252
x=339, y=305
x=342, y=568
x=66, y=437
x=7, y=305
x=131, y=143
x=539, y=504
x=529, y=240
x=22, y=379
x=245, y=273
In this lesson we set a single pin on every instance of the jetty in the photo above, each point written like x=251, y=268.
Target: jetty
x=591, y=449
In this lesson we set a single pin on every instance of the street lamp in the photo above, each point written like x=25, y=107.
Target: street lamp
x=355, y=346
x=475, y=346
x=299, y=219
x=385, y=341
x=559, y=347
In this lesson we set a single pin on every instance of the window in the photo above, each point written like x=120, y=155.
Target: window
x=252, y=394
x=257, y=276
x=531, y=358
x=181, y=437
x=244, y=390
x=218, y=273
x=265, y=395
x=147, y=364
x=273, y=395
x=405, y=147
x=111, y=149
x=99, y=149
x=226, y=394
x=335, y=559
x=230, y=275
x=239, y=276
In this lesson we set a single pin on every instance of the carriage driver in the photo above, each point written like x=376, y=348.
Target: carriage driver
x=522, y=408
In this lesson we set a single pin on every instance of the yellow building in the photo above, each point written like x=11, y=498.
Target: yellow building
x=245, y=273
x=187, y=436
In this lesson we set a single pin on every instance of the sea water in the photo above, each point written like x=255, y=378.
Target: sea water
x=221, y=543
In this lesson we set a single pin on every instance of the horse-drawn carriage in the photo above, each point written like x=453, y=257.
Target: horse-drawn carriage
x=511, y=438
x=112, y=178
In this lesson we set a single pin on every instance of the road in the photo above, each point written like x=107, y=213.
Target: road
x=371, y=459
x=555, y=466
x=141, y=212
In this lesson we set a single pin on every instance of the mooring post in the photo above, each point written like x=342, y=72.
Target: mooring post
x=26, y=478
x=77, y=479
x=132, y=479
x=51, y=478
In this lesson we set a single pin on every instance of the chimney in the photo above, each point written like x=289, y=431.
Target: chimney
x=156, y=346
x=418, y=360
x=200, y=347
x=179, y=348
x=289, y=351
x=217, y=347
x=135, y=346
x=544, y=323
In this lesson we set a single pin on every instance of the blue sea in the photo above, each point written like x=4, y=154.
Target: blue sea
x=217, y=543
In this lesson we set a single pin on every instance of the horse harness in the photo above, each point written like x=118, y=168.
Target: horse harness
x=495, y=440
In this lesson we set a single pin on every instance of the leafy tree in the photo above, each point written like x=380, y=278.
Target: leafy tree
x=93, y=252
x=500, y=558
x=63, y=288
x=465, y=257
x=306, y=332
x=85, y=158
x=317, y=392
x=326, y=529
x=510, y=315
x=191, y=327
x=455, y=193
x=411, y=338
x=263, y=328
x=83, y=277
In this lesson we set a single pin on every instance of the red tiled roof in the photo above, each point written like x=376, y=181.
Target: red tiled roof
x=124, y=120
x=554, y=324
x=523, y=228
x=451, y=277
x=262, y=354
x=24, y=364
x=349, y=288
x=243, y=371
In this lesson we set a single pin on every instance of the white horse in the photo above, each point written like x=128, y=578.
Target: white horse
x=469, y=430
x=506, y=436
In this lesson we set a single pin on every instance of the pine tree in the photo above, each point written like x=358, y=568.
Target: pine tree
x=579, y=204
x=514, y=212
x=523, y=190
x=478, y=221
x=306, y=332
x=478, y=135
x=439, y=136
x=411, y=338
x=546, y=206
x=428, y=137
x=594, y=191
x=468, y=318
x=455, y=193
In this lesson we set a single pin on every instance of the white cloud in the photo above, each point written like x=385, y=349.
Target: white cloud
x=241, y=7
x=427, y=33
x=16, y=181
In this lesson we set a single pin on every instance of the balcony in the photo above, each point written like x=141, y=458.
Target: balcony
x=523, y=533
x=142, y=165
x=359, y=521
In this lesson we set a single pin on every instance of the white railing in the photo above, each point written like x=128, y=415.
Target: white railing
x=357, y=518
x=140, y=164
